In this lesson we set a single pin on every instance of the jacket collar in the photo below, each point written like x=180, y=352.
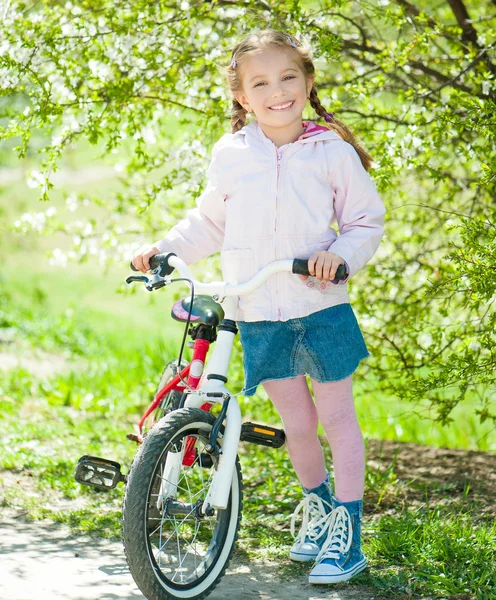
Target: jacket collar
x=254, y=132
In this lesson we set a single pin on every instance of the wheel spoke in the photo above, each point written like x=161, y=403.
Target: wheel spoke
x=184, y=545
x=189, y=544
x=175, y=530
x=192, y=495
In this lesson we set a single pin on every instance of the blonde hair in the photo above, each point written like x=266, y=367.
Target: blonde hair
x=256, y=42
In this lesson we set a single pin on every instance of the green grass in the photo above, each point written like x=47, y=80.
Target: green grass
x=432, y=550
x=49, y=422
x=107, y=345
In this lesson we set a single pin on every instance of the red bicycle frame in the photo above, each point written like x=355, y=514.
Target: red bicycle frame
x=200, y=350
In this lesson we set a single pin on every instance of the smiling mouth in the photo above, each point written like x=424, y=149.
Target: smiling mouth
x=285, y=105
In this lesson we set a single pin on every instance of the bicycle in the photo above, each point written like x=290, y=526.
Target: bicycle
x=184, y=485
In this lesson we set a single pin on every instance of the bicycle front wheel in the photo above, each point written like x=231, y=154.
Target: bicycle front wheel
x=172, y=549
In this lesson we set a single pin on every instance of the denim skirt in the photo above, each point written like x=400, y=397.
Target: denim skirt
x=328, y=345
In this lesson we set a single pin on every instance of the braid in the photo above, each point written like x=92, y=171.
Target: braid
x=238, y=116
x=340, y=128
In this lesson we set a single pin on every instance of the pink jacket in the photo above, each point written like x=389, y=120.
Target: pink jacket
x=262, y=203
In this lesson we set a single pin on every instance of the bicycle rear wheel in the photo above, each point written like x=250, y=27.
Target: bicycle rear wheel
x=175, y=551
x=171, y=400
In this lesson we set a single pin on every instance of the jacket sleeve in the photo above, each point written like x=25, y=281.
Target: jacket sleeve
x=360, y=213
x=201, y=232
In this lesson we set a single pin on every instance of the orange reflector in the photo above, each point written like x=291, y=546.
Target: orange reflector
x=266, y=431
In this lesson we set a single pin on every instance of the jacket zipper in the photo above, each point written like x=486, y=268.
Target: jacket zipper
x=279, y=157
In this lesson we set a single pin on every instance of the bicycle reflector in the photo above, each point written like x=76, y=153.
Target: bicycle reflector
x=98, y=472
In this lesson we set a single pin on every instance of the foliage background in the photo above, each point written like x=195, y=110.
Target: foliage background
x=142, y=83
x=108, y=112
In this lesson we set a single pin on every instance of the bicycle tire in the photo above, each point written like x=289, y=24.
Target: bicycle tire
x=138, y=548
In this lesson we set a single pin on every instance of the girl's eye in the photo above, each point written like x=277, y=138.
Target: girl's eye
x=290, y=77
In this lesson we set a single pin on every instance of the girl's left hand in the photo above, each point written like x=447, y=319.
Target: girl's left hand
x=323, y=265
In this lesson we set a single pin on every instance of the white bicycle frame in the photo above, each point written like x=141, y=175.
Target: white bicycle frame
x=218, y=363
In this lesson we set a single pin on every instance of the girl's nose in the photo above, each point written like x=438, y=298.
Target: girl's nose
x=278, y=93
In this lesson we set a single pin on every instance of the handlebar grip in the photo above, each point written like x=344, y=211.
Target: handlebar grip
x=300, y=267
x=159, y=260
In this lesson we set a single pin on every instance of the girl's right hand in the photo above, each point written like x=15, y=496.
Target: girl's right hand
x=141, y=258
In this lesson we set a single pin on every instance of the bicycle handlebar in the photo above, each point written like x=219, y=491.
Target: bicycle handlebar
x=300, y=266
x=164, y=264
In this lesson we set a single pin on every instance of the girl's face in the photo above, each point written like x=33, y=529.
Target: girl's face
x=273, y=78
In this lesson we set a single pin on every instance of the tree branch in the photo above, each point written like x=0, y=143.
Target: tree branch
x=469, y=34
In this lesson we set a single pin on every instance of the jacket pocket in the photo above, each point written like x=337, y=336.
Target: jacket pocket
x=237, y=265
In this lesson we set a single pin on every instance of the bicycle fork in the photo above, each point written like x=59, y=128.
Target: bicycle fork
x=170, y=477
x=220, y=487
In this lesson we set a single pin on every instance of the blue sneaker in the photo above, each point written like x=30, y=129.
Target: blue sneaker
x=340, y=557
x=316, y=506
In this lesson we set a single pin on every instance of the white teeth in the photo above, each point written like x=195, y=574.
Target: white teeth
x=281, y=106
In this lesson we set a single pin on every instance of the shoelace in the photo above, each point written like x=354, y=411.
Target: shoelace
x=315, y=517
x=340, y=534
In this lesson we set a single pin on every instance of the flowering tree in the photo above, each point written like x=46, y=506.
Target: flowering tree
x=415, y=82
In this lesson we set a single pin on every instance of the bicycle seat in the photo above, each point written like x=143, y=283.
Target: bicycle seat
x=205, y=310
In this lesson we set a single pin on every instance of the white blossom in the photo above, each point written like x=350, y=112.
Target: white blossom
x=487, y=84
x=68, y=29
x=4, y=48
x=36, y=180
x=31, y=222
x=72, y=202
x=99, y=69
x=425, y=340
x=58, y=258
x=149, y=135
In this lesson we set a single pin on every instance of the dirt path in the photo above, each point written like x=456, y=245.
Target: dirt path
x=43, y=560
x=46, y=561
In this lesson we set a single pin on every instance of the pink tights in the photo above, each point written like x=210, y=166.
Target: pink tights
x=335, y=408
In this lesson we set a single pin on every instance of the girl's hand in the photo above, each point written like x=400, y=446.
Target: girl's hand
x=141, y=258
x=323, y=265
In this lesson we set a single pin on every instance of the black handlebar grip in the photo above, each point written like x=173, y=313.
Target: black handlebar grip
x=159, y=260
x=162, y=261
x=300, y=267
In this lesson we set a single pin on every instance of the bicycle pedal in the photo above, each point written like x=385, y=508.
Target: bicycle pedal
x=100, y=473
x=262, y=435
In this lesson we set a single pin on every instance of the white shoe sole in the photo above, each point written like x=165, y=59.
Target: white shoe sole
x=302, y=557
x=337, y=578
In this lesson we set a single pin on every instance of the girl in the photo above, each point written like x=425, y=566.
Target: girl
x=274, y=187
